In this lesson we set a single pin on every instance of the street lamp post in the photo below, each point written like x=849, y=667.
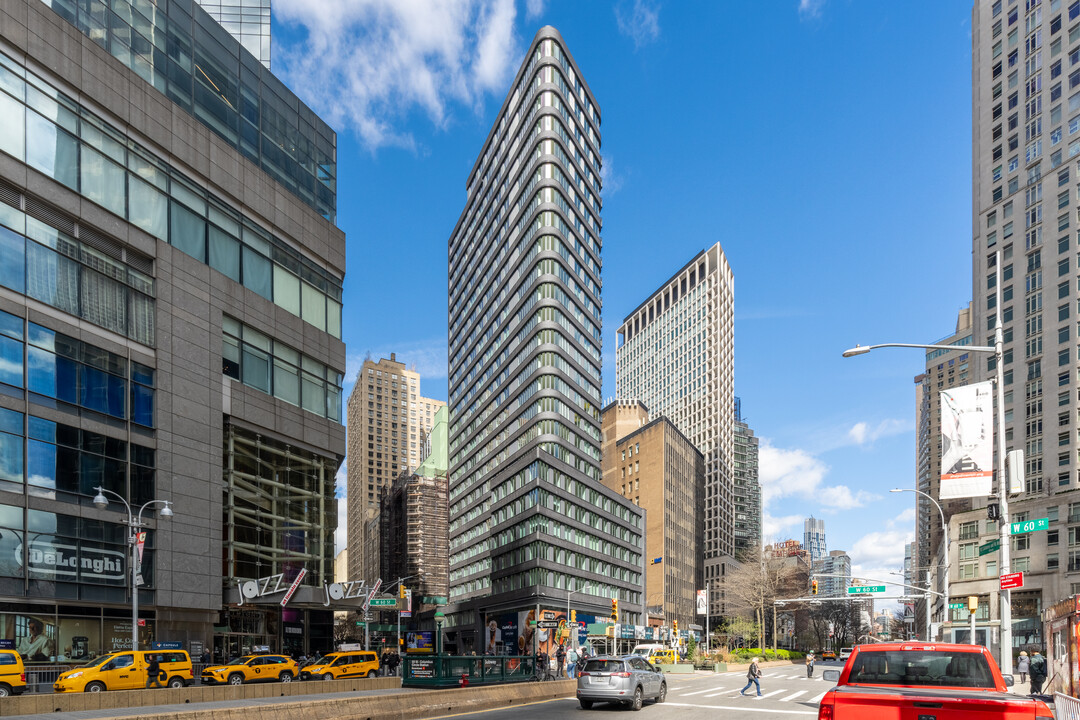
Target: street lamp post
x=134, y=522
x=948, y=557
x=573, y=631
x=997, y=350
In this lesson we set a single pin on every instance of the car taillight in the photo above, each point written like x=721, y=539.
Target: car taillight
x=22, y=677
x=621, y=674
x=825, y=711
x=1042, y=710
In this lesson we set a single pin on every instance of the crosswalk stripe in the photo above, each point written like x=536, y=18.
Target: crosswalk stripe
x=774, y=692
x=698, y=692
x=793, y=696
x=818, y=698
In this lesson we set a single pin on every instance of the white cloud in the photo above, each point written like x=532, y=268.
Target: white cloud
x=775, y=528
x=797, y=473
x=341, y=535
x=641, y=24
x=534, y=9
x=876, y=555
x=611, y=181
x=861, y=433
x=365, y=65
x=810, y=9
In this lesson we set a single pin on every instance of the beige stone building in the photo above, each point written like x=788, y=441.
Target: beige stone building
x=388, y=424
x=655, y=466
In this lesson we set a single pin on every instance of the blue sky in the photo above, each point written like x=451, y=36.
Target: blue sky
x=826, y=144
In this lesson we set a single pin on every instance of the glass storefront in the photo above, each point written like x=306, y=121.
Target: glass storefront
x=45, y=634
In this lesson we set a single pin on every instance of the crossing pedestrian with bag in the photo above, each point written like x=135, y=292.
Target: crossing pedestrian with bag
x=752, y=677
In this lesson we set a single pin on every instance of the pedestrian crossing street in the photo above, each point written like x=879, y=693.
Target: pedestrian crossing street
x=780, y=688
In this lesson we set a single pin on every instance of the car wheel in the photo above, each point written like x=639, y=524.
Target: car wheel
x=5, y=690
x=176, y=682
x=585, y=704
x=286, y=676
x=635, y=704
x=370, y=673
x=95, y=687
x=327, y=676
x=663, y=693
x=236, y=679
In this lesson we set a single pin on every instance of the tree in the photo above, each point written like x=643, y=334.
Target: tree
x=752, y=589
x=735, y=632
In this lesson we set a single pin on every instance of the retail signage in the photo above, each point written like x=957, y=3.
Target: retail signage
x=347, y=590
x=292, y=588
x=167, y=646
x=1012, y=580
x=58, y=560
x=251, y=589
x=967, y=448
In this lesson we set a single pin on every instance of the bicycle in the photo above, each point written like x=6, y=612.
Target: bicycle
x=542, y=671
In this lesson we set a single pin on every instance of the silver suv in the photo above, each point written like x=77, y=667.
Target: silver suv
x=628, y=680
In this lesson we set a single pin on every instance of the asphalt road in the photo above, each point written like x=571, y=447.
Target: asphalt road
x=786, y=694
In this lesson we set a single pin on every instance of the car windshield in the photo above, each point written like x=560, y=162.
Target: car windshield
x=916, y=667
x=324, y=660
x=604, y=666
x=96, y=661
x=242, y=660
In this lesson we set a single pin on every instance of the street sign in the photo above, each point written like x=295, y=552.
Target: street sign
x=548, y=624
x=1012, y=580
x=957, y=606
x=384, y=602
x=990, y=547
x=360, y=623
x=1029, y=526
x=865, y=589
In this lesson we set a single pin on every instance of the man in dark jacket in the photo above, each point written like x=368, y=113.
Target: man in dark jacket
x=1038, y=672
x=153, y=671
x=560, y=660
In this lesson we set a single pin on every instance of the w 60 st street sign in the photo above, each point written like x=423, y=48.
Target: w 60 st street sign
x=865, y=589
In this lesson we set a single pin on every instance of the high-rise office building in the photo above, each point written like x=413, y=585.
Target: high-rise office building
x=170, y=324
x=945, y=369
x=388, y=424
x=1025, y=120
x=676, y=354
x=746, y=493
x=246, y=20
x=530, y=520
x=814, y=538
x=654, y=465
x=836, y=562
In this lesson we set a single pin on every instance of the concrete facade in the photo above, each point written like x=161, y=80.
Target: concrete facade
x=676, y=354
x=198, y=411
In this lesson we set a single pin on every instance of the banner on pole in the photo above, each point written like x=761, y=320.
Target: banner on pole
x=967, y=441
x=702, y=602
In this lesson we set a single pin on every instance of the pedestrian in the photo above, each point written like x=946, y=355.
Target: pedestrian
x=1037, y=670
x=560, y=661
x=571, y=663
x=153, y=671
x=395, y=660
x=583, y=657
x=810, y=665
x=752, y=676
x=1022, y=665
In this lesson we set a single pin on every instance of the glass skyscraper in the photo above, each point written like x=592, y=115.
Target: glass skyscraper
x=530, y=520
x=246, y=20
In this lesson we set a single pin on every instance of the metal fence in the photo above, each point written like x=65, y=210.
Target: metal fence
x=40, y=678
x=1066, y=707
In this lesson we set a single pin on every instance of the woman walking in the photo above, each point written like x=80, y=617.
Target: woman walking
x=810, y=665
x=1022, y=665
x=752, y=676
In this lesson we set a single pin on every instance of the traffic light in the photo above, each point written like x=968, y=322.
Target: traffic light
x=401, y=591
x=573, y=616
x=615, y=609
x=973, y=603
x=813, y=587
x=676, y=627
x=992, y=511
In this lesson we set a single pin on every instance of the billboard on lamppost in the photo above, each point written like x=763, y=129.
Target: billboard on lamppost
x=702, y=601
x=967, y=441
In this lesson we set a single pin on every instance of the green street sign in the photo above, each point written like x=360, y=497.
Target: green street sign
x=384, y=602
x=865, y=589
x=1029, y=526
x=990, y=547
x=957, y=606
x=359, y=623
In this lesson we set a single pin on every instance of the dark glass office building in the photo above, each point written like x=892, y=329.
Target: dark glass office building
x=531, y=524
x=170, y=324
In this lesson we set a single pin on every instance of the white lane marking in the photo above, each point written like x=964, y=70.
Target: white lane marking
x=698, y=692
x=774, y=692
x=745, y=709
x=818, y=698
x=793, y=696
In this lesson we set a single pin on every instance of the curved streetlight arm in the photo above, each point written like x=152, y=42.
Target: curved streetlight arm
x=863, y=349
x=948, y=558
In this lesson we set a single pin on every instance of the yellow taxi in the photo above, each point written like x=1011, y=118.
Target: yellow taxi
x=666, y=657
x=252, y=668
x=12, y=673
x=338, y=665
x=126, y=670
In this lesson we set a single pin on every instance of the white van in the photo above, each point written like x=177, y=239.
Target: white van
x=845, y=653
x=646, y=650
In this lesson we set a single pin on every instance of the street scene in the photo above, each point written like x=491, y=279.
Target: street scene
x=497, y=358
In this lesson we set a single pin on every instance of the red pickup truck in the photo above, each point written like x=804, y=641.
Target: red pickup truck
x=913, y=681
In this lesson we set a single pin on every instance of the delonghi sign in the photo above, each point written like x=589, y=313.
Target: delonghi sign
x=58, y=560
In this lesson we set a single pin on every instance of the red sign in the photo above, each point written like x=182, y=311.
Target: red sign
x=1012, y=580
x=292, y=588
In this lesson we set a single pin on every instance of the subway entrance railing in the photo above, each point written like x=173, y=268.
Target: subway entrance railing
x=449, y=670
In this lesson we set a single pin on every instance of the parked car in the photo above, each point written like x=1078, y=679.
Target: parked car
x=252, y=668
x=338, y=665
x=126, y=670
x=12, y=673
x=941, y=681
x=627, y=679
x=828, y=655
